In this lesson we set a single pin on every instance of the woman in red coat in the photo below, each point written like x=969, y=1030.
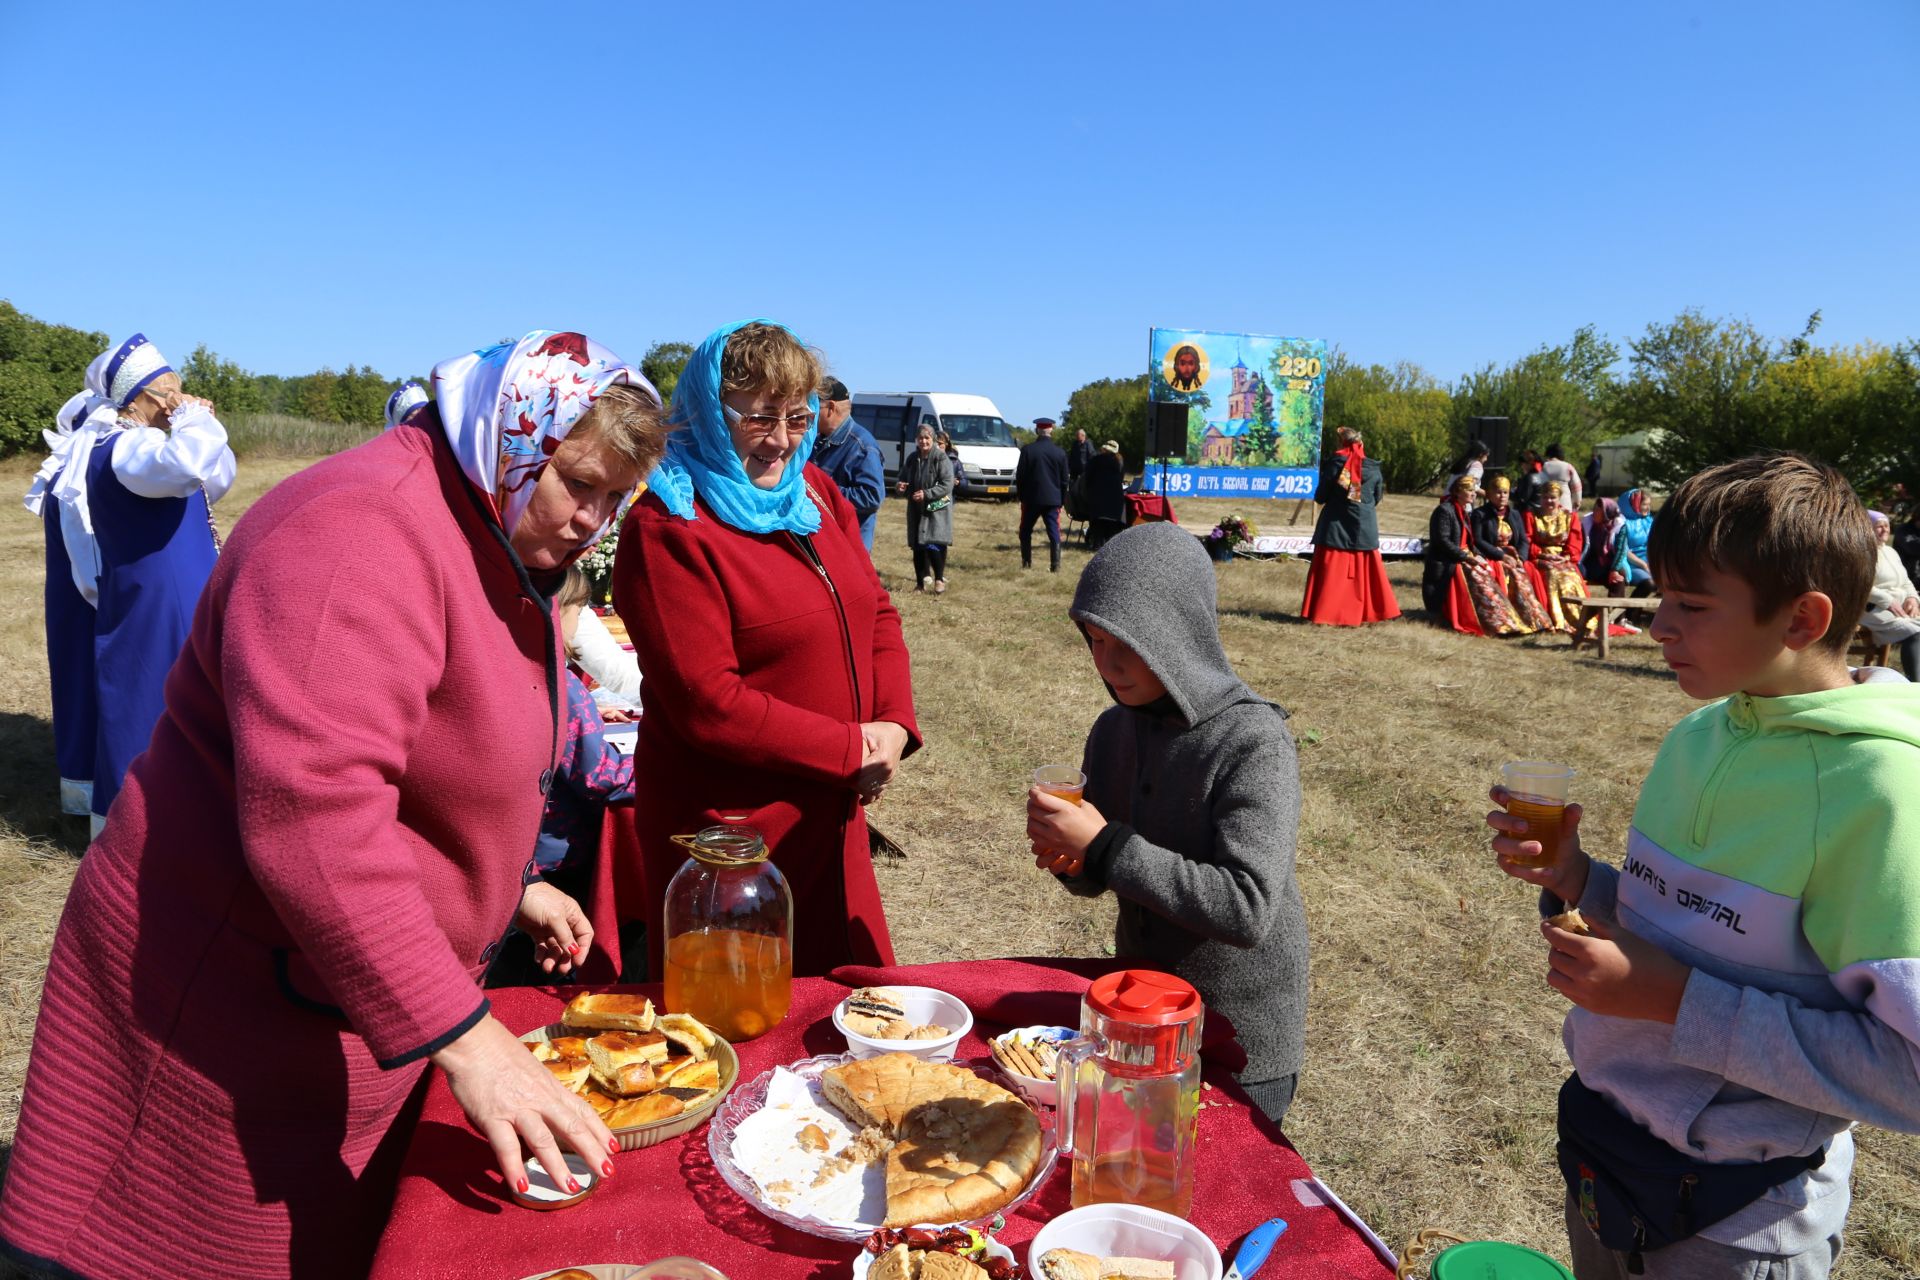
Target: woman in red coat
x=309, y=869
x=776, y=678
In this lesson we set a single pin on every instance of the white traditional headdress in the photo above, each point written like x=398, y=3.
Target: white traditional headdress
x=129, y=368
x=403, y=401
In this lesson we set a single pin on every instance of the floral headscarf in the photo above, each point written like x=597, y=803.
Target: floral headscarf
x=505, y=409
x=701, y=460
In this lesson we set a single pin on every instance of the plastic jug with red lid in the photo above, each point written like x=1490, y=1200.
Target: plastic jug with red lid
x=1130, y=1091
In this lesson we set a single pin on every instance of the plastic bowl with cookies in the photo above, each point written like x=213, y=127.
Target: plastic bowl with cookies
x=1030, y=1056
x=923, y=1021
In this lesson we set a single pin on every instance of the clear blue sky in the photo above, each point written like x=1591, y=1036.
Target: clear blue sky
x=988, y=198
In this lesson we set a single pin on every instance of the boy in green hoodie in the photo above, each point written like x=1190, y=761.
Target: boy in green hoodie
x=1751, y=984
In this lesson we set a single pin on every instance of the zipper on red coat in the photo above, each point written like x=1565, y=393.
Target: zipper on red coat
x=840, y=611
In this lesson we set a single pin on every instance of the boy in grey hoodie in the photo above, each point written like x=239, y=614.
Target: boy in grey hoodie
x=1192, y=803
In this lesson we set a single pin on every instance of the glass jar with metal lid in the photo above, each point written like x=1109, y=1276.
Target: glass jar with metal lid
x=729, y=927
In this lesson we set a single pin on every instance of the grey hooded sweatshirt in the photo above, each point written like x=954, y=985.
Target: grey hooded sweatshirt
x=1201, y=792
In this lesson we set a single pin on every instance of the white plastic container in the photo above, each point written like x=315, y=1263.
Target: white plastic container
x=923, y=1005
x=1132, y=1231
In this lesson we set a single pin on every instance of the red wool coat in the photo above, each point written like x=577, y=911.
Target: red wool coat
x=754, y=695
x=297, y=889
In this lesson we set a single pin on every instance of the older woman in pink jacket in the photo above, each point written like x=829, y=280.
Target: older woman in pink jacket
x=309, y=870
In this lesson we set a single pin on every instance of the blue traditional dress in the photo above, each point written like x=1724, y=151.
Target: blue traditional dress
x=147, y=491
x=69, y=613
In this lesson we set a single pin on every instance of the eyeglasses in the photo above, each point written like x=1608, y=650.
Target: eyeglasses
x=763, y=423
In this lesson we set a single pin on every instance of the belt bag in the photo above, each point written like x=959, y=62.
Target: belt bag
x=1636, y=1192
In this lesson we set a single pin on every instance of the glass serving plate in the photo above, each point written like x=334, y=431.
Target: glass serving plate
x=749, y=1096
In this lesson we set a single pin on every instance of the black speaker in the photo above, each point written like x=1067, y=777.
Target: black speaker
x=1167, y=433
x=1496, y=434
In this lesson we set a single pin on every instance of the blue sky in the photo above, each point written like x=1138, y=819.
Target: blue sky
x=998, y=199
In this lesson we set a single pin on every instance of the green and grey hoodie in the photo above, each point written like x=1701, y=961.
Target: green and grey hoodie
x=1775, y=849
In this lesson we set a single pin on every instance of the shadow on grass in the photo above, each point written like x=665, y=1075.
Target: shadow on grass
x=30, y=784
x=1614, y=666
x=1265, y=615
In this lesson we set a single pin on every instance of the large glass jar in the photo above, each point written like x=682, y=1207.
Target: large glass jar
x=729, y=928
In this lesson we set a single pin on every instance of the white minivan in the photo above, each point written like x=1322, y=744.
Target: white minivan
x=988, y=451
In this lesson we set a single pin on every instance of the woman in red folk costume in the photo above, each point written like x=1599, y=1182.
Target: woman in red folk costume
x=310, y=867
x=1554, y=544
x=1461, y=587
x=777, y=682
x=1347, y=583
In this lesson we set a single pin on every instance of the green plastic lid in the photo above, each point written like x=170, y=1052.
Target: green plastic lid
x=1492, y=1260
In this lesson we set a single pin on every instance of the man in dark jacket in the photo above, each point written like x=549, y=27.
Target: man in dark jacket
x=1040, y=478
x=1079, y=453
x=845, y=451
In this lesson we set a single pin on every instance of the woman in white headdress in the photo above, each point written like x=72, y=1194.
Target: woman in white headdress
x=70, y=595
x=407, y=397
x=145, y=480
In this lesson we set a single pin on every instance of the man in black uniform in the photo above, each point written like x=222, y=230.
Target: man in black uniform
x=1040, y=478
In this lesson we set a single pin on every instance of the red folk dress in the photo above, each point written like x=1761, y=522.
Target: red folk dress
x=760, y=664
x=299, y=889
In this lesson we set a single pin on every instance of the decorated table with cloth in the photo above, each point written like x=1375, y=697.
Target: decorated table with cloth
x=451, y=1216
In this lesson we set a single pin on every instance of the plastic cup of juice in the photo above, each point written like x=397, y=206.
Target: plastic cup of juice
x=1061, y=780
x=1537, y=791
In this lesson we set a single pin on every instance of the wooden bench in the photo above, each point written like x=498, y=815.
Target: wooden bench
x=1587, y=611
x=1871, y=651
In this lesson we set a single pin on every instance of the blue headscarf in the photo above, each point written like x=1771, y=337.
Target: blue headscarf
x=701, y=460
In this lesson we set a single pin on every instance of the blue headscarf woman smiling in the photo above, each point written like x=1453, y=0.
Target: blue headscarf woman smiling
x=746, y=408
x=777, y=682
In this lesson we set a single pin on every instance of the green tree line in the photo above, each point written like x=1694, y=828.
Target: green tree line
x=42, y=364
x=1704, y=390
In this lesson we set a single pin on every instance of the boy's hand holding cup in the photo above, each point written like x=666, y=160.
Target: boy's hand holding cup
x=1539, y=832
x=1059, y=821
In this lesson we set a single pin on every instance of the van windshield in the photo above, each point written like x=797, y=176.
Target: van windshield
x=974, y=428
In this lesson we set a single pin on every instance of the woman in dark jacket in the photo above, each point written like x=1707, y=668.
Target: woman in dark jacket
x=1460, y=587
x=1347, y=584
x=926, y=482
x=1106, y=498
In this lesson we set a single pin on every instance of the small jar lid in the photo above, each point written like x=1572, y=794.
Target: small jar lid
x=1495, y=1260
x=544, y=1193
x=728, y=844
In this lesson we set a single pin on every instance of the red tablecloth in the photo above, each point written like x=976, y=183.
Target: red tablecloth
x=451, y=1217
x=616, y=879
x=1145, y=507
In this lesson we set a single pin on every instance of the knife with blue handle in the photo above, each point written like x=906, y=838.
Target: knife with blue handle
x=1254, y=1249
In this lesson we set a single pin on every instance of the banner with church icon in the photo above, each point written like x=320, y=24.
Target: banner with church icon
x=1254, y=405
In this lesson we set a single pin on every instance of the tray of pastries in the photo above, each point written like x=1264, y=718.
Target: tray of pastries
x=838, y=1146
x=651, y=1076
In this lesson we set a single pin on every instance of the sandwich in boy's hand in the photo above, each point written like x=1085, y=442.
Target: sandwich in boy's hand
x=1572, y=921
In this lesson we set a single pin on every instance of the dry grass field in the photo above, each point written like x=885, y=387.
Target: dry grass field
x=1433, y=1042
